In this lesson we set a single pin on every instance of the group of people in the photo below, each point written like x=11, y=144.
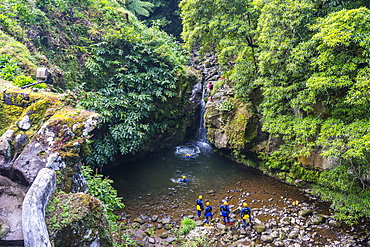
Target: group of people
x=245, y=212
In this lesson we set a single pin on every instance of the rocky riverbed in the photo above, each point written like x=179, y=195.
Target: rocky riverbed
x=277, y=221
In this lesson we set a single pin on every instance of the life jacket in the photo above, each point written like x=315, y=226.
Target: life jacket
x=199, y=204
x=208, y=209
x=225, y=208
x=245, y=213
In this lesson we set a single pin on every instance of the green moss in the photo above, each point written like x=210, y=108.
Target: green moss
x=65, y=179
x=236, y=127
x=71, y=216
x=9, y=114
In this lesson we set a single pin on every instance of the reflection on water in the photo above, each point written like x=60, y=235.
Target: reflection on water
x=153, y=184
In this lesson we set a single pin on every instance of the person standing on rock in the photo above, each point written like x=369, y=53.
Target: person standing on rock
x=199, y=205
x=245, y=214
x=208, y=213
x=225, y=212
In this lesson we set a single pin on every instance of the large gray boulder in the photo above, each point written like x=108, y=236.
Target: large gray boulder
x=11, y=199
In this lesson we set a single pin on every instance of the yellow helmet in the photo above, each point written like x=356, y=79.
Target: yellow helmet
x=183, y=177
x=207, y=203
x=245, y=204
x=200, y=197
x=225, y=203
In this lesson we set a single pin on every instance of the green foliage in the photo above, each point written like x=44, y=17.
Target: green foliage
x=186, y=226
x=102, y=189
x=349, y=197
x=165, y=14
x=130, y=74
x=139, y=7
x=8, y=67
x=141, y=68
x=226, y=105
x=305, y=65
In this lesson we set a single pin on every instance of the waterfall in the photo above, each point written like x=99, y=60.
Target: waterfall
x=201, y=135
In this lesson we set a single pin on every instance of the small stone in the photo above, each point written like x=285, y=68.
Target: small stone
x=267, y=238
x=168, y=226
x=166, y=220
x=305, y=212
x=24, y=123
x=199, y=223
x=259, y=228
x=317, y=219
x=136, y=225
x=4, y=228
x=334, y=223
x=279, y=244
x=293, y=234
x=220, y=226
x=164, y=235
x=154, y=218
x=282, y=235
x=151, y=240
x=170, y=239
x=139, y=220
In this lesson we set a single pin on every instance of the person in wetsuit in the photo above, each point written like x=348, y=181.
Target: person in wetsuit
x=245, y=214
x=225, y=212
x=184, y=180
x=199, y=205
x=208, y=213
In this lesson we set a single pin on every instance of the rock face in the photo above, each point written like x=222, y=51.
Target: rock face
x=234, y=126
x=47, y=134
x=42, y=136
x=231, y=123
x=11, y=199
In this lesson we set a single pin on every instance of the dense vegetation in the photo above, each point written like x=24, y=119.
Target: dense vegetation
x=307, y=63
x=106, y=60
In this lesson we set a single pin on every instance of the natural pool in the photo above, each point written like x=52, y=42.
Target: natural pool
x=152, y=187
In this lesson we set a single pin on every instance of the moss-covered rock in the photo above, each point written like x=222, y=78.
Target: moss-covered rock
x=77, y=220
x=55, y=135
x=229, y=121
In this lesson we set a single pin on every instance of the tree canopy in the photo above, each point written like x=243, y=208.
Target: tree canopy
x=308, y=63
x=105, y=60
